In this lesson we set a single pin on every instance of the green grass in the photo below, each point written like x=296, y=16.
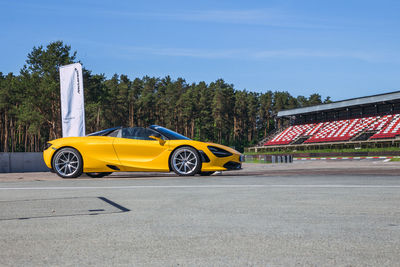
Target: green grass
x=395, y=159
x=283, y=151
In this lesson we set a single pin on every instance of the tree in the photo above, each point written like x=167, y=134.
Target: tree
x=314, y=99
x=223, y=102
x=95, y=98
x=41, y=74
x=205, y=112
x=328, y=100
x=253, y=108
x=302, y=101
x=265, y=112
x=30, y=104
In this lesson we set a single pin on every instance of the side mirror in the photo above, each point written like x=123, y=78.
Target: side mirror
x=155, y=135
x=158, y=138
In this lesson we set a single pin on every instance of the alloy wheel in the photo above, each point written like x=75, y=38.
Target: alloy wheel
x=185, y=161
x=67, y=163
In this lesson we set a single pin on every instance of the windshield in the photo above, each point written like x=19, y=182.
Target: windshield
x=171, y=135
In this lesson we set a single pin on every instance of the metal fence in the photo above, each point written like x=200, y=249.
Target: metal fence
x=269, y=158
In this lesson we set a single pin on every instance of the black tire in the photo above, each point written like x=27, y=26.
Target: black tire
x=185, y=161
x=97, y=174
x=206, y=173
x=67, y=163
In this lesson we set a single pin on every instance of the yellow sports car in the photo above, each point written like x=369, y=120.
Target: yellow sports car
x=155, y=149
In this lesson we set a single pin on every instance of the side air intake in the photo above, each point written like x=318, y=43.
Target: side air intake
x=115, y=168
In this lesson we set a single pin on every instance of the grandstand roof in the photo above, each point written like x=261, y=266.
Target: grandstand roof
x=343, y=104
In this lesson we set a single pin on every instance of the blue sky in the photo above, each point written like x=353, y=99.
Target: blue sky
x=343, y=49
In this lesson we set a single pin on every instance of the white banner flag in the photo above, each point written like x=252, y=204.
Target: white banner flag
x=72, y=102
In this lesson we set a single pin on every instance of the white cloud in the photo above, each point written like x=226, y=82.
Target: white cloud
x=244, y=54
x=266, y=17
x=255, y=54
x=291, y=53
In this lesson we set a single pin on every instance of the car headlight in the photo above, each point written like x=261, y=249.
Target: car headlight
x=241, y=158
x=47, y=146
x=219, y=152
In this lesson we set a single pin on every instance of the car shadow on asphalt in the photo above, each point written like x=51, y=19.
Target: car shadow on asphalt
x=147, y=175
x=58, y=207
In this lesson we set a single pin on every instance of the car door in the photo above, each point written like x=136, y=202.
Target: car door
x=98, y=153
x=138, y=152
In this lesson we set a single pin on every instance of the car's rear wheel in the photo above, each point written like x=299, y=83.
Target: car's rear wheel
x=68, y=163
x=97, y=174
x=206, y=173
x=185, y=161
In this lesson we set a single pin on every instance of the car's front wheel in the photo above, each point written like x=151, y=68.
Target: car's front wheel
x=185, y=161
x=68, y=163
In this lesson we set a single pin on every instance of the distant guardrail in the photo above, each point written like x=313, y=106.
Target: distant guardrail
x=22, y=162
x=269, y=158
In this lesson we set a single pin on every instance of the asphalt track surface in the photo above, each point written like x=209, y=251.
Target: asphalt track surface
x=301, y=214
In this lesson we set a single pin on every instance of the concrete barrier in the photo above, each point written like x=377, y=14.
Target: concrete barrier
x=4, y=162
x=22, y=162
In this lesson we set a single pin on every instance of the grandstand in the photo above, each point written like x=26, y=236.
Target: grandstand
x=358, y=122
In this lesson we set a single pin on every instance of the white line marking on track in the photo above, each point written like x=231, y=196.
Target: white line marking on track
x=203, y=186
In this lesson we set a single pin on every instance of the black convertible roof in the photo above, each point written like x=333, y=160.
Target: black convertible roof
x=104, y=132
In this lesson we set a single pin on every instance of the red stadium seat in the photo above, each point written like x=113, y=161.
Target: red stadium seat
x=290, y=134
x=387, y=126
x=390, y=129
